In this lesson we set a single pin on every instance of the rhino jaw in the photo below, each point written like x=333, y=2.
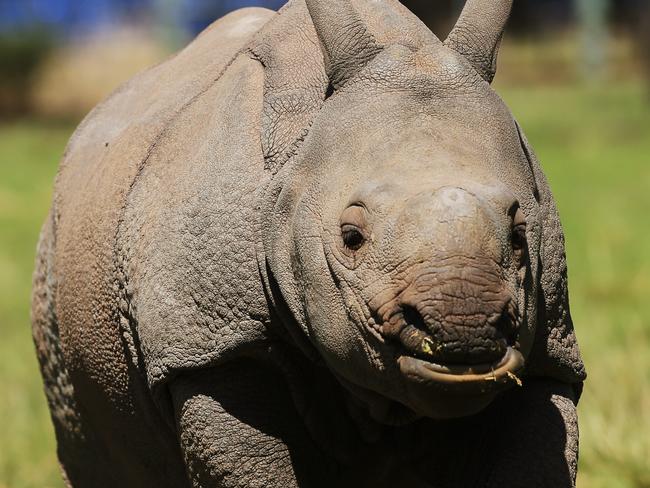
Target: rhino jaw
x=441, y=386
x=440, y=391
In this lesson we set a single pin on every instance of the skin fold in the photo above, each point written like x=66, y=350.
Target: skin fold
x=314, y=248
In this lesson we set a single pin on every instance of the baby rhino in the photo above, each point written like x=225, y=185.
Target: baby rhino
x=313, y=249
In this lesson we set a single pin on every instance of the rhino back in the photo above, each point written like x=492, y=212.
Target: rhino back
x=99, y=172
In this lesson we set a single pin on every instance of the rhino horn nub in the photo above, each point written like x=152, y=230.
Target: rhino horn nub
x=347, y=44
x=478, y=33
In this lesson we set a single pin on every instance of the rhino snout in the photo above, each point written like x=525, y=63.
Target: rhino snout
x=460, y=315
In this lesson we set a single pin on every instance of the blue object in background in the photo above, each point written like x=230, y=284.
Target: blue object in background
x=72, y=17
x=201, y=13
x=65, y=15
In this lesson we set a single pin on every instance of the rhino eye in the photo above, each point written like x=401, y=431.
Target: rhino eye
x=519, y=245
x=352, y=237
x=519, y=237
x=353, y=222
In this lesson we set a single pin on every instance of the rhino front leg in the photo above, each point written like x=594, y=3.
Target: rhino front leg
x=239, y=429
x=539, y=445
x=527, y=438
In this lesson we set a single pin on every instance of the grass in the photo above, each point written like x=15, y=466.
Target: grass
x=594, y=143
x=28, y=159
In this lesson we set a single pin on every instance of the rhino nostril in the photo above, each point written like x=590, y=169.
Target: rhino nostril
x=414, y=318
x=449, y=343
x=506, y=324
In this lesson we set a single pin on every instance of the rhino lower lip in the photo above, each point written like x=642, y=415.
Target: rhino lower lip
x=503, y=372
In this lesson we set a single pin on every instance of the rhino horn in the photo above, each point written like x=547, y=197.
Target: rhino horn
x=477, y=34
x=353, y=32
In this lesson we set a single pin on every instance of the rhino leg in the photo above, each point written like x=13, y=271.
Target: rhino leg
x=238, y=428
x=539, y=447
x=527, y=438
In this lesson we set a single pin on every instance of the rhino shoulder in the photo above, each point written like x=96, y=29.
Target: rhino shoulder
x=192, y=229
x=97, y=177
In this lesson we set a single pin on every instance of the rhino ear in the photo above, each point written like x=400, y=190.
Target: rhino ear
x=478, y=33
x=353, y=32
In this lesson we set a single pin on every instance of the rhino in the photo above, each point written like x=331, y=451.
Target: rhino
x=312, y=249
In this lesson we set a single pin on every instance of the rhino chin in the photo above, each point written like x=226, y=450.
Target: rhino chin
x=444, y=392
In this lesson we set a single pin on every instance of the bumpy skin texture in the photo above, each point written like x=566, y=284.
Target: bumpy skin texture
x=202, y=319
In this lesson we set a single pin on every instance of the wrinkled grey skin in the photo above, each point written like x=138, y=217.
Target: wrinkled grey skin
x=312, y=249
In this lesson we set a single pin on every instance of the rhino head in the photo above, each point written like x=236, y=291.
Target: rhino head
x=406, y=232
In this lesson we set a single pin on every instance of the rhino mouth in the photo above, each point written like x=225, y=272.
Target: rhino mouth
x=425, y=360
x=485, y=376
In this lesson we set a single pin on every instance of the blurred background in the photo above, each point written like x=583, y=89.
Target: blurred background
x=576, y=73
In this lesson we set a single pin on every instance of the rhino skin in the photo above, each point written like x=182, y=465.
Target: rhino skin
x=312, y=249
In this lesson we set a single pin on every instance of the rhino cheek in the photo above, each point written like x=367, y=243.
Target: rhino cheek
x=334, y=329
x=337, y=339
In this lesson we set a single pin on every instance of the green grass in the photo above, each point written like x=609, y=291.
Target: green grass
x=29, y=155
x=594, y=144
